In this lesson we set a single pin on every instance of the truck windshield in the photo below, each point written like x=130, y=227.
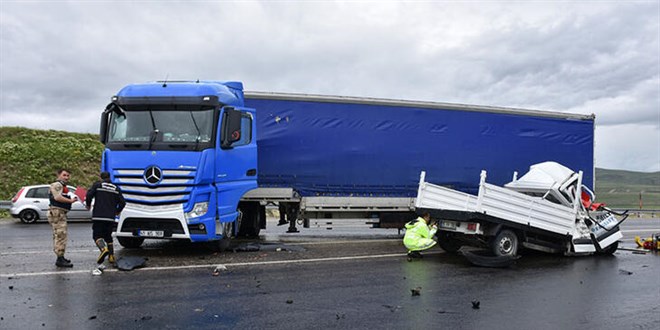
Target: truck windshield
x=162, y=129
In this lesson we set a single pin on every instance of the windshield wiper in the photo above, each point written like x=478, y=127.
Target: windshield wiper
x=198, y=132
x=154, y=133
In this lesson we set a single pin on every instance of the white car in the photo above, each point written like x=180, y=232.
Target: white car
x=31, y=204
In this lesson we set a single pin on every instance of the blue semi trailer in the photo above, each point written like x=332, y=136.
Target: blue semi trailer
x=200, y=160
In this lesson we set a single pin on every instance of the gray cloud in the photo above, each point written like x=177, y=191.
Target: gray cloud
x=61, y=60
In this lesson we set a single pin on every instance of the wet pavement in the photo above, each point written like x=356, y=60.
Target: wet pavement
x=350, y=276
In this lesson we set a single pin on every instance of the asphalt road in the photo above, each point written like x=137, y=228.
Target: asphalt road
x=338, y=275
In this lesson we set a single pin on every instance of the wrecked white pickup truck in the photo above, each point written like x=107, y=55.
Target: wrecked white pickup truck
x=548, y=209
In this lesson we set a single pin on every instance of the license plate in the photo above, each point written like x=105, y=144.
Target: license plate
x=151, y=233
x=448, y=224
x=607, y=223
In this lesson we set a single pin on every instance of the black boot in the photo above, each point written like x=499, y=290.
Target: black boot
x=414, y=255
x=61, y=262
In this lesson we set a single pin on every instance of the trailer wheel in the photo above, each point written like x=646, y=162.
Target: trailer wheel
x=28, y=216
x=130, y=242
x=448, y=242
x=505, y=244
x=610, y=249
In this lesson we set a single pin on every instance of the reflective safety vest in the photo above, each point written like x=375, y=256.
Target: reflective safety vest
x=418, y=235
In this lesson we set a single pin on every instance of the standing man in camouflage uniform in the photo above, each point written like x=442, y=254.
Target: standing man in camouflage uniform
x=60, y=204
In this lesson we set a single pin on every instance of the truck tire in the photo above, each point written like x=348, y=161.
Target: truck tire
x=28, y=216
x=251, y=223
x=224, y=243
x=130, y=242
x=610, y=249
x=448, y=242
x=505, y=243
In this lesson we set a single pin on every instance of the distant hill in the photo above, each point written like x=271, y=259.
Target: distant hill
x=29, y=156
x=622, y=189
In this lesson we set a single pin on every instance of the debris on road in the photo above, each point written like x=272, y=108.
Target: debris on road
x=476, y=304
x=218, y=269
x=277, y=247
x=485, y=258
x=416, y=291
x=625, y=272
x=131, y=262
x=392, y=308
x=289, y=301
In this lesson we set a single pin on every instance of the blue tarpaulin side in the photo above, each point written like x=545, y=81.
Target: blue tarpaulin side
x=342, y=149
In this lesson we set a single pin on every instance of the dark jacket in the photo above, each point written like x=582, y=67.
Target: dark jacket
x=108, y=201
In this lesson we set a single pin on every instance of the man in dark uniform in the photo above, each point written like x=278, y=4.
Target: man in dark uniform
x=60, y=204
x=108, y=203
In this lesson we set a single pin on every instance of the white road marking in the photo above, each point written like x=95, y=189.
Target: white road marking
x=229, y=265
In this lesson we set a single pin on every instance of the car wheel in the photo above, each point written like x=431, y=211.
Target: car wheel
x=130, y=242
x=28, y=216
x=505, y=244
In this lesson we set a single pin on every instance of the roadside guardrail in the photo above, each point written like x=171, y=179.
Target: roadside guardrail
x=5, y=205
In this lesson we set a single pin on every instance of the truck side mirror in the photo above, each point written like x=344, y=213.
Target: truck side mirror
x=231, y=127
x=103, y=132
x=105, y=116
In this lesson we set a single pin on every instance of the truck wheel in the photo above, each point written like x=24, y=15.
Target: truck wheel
x=448, y=243
x=224, y=243
x=130, y=242
x=28, y=216
x=610, y=249
x=505, y=244
x=251, y=222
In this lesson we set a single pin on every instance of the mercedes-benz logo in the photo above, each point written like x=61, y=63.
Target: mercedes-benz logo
x=153, y=175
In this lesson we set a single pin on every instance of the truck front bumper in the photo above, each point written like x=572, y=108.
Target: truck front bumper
x=153, y=222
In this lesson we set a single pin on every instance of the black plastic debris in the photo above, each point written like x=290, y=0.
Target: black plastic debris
x=416, y=291
x=131, y=262
x=476, y=304
x=484, y=258
x=625, y=272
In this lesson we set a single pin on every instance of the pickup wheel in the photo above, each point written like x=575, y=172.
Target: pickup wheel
x=610, y=249
x=130, y=242
x=28, y=216
x=448, y=242
x=505, y=244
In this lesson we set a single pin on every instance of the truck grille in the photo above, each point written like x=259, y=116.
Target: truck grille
x=174, y=187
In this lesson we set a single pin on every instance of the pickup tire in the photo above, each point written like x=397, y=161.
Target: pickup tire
x=448, y=242
x=610, y=249
x=130, y=242
x=28, y=216
x=505, y=243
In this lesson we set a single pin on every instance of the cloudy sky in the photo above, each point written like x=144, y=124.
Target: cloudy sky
x=60, y=62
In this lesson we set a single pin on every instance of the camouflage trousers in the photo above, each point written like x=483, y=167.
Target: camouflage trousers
x=57, y=219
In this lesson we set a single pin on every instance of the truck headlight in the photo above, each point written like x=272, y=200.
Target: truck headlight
x=198, y=210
